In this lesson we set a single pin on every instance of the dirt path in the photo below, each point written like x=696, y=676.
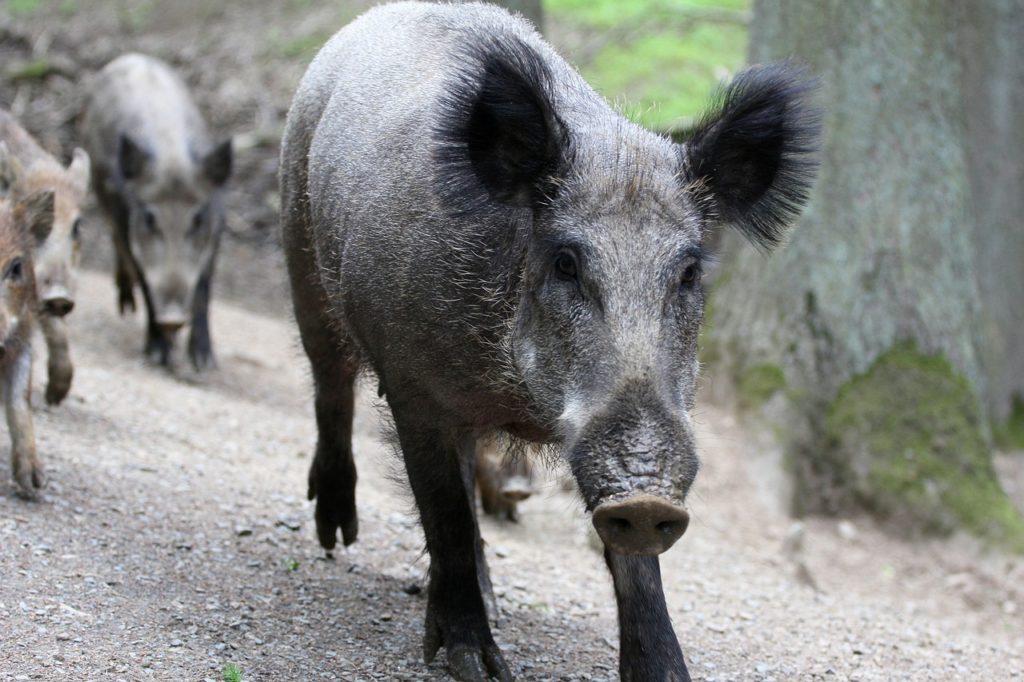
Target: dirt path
x=175, y=538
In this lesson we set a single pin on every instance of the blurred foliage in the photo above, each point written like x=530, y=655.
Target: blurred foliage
x=663, y=57
x=17, y=7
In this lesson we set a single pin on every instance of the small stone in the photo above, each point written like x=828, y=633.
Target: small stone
x=847, y=530
x=176, y=643
x=289, y=522
x=501, y=552
x=243, y=531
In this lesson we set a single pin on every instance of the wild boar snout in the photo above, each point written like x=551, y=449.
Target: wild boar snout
x=634, y=460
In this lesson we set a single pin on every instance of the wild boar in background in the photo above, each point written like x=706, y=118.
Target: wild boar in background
x=55, y=247
x=160, y=178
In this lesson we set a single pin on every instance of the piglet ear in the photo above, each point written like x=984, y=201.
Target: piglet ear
x=37, y=211
x=498, y=130
x=10, y=170
x=132, y=159
x=753, y=157
x=217, y=163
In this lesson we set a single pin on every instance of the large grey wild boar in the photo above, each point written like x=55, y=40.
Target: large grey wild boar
x=56, y=245
x=20, y=219
x=160, y=177
x=466, y=217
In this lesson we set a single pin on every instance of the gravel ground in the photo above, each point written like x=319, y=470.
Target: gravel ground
x=174, y=539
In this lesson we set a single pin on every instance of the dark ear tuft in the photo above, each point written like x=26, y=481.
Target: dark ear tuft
x=217, y=163
x=498, y=138
x=755, y=152
x=131, y=158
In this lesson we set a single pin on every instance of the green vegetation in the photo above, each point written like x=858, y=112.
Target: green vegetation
x=33, y=70
x=757, y=384
x=291, y=565
x=304, y=47
x=22, y=7
x=907, y=436
x=1010, y=434
x=232, y=673
x=663, y=57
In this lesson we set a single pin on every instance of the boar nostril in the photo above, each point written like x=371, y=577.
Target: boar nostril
x=620, y=524
x=674, y=528
x=58, y=307
x=642, y=525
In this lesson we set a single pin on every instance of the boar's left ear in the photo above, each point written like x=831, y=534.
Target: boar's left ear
x=753, y=157
x=131, y=158
x=217, y=163
x=37, y=211
x=498, y=131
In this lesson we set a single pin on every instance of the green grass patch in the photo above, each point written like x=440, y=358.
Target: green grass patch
x=231, y=673
x=663, y=57
x=22, y=7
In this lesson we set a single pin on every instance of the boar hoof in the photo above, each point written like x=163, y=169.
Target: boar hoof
x=201, y=356
x=30, y=480
x=57, y=388
x=334, y=491
x=125, y=301
x=468, y=661
x=158, y=350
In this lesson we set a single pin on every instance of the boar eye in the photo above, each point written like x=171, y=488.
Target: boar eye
x=691, y=275
x=565, y=266
x=197, y=223
x=150, y=221
x=76, y=230
x=15, y=271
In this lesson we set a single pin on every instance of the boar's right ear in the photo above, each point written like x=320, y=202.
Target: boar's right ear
x=753, y=157
x=131, y=158
x=217, y=163
x=37, y=211
x=499, y=129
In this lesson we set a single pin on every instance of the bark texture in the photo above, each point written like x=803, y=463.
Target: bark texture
x=992, y=35
x=886, y=257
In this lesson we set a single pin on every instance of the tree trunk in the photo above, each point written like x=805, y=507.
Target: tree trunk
x=863, y=330
x=993, y=86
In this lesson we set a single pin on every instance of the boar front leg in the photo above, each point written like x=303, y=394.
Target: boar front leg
x=25, y=465
x=456, y=616
x=648, y=648
x=59, y=368
x=125, y=285
x=200, y=349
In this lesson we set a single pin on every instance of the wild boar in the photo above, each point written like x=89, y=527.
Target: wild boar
x=19, y=221
x=161, y=180
x=504, y=481
x=56, y=247
x=464, y=216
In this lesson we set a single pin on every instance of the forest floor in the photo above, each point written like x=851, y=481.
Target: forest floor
x=175, y=539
